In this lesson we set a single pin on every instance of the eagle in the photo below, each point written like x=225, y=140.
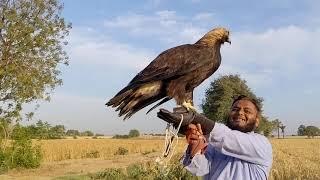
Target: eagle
x=174, y=73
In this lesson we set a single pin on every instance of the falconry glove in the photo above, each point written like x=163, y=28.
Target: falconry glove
x=189, y=117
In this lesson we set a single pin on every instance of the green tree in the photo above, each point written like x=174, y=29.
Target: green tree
x=265, y=126
x=43, y=129
x=134, y=133
x=219, y=96
x=312, y=131
x=276, y=124
x=87, y=133
x=282, y=127
x=57, y=132
x=32, y=36
x=301, y=130
x=72, y=132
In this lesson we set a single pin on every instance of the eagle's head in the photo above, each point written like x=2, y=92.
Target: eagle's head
x=220, y=35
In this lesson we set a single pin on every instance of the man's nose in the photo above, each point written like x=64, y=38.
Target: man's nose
x=241, y=112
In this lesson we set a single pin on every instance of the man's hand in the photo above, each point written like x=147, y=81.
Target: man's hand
x=197, y=142
x=189, y=117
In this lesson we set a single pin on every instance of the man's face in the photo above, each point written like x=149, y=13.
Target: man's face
x=243, y=116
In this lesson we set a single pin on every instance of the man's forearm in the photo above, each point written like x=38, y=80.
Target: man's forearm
x=250, y=147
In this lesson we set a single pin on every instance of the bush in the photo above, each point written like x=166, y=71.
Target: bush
x=134, y=133
x=147, y=171
x=121, y=151
x=92, y=154
x=111, y=173
x=117, y=136
x=21, y=153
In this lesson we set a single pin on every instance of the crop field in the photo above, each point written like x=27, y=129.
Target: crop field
x=293, y=158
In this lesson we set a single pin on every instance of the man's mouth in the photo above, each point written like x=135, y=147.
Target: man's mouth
x=237, y=120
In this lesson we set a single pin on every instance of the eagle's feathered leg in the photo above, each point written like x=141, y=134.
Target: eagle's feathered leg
x=189, y=106
x=188, y=102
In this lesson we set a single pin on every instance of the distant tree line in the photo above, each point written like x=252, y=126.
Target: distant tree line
x=310, y=131
x=132, y=133
x=43, y=130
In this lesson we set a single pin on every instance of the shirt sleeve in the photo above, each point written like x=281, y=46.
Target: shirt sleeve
x=198, y=165
x=250, y=147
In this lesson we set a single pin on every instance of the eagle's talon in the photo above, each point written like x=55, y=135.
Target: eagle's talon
x=189, y=106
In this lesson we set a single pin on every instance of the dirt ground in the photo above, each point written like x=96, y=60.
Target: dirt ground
x=75, y=167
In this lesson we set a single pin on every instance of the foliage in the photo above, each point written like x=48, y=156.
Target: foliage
x=219, y=96
x=265, y=126
x=99, y=134
x=134, y=133
x=43, y=130
x=301, y=130
x=121, y=151
x=87, y=133
x=312, y=131
x=276, y=126
x=21, y=153
x=32, y=36
x=92, y=154
x=72, y=132
x=309, y=131
x=146, y=171
x=111, y=173
x=57, y=132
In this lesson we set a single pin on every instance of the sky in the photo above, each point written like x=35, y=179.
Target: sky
x=274, y=48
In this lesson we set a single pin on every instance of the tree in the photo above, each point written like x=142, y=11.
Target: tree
x=57, y=132
x=282, y=127
x=32, y=36
x=72, y=132
x=301, y=130
x=134, y=133
x=276, y=125
x=312, y=131
x=219, y=96
x=43, y=129
x=87, y=133
x=265, y=126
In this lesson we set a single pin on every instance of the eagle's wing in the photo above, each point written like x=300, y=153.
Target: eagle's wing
x=174, y=62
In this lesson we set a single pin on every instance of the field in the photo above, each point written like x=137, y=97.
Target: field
x=294, y=158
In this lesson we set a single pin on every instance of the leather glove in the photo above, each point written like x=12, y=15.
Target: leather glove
x=197, y=142
x=189, y=117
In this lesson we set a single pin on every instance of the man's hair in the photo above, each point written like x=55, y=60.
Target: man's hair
x=243, y=97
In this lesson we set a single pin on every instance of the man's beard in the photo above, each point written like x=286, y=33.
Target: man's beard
x=251, y=126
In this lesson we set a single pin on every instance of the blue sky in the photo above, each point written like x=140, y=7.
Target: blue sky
x=274, y=48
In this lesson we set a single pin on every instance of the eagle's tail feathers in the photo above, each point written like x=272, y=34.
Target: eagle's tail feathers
x=117, y=99
x=143, y=103
x=158, y=104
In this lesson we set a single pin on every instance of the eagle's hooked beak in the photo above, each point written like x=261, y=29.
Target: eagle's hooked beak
x=228, y=41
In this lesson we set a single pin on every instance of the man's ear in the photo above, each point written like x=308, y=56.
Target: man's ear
x=257, y=122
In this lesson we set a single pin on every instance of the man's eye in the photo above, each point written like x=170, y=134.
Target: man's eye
x=247, y=112
x=235, y=109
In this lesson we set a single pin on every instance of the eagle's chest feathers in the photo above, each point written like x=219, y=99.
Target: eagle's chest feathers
x=196, y=77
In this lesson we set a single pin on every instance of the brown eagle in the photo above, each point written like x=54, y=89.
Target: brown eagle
x=173, y=74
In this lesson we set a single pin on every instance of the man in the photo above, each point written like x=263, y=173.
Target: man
x=233, y=151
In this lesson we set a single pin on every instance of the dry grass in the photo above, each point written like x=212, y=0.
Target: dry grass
x=293, y=158
x=64, y=149
x=296, y=159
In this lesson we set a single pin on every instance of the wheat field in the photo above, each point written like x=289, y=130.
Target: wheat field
x=292, y=158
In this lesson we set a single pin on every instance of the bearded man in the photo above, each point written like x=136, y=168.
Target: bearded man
x=218, y=151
